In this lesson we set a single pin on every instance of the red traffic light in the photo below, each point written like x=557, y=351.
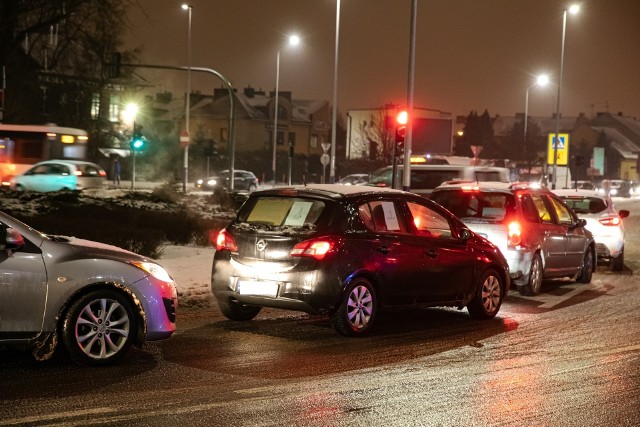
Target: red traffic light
x=402, y=118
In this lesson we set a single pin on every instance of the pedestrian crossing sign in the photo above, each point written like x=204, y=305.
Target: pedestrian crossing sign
x=559, y=150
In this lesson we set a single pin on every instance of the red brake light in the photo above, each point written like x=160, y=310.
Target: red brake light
x=317, y=248
x=225, y=241
x=102, y=173
x=78, y=173
x=611, y=221
x=514, y=233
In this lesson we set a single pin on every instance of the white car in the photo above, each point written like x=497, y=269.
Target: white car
x=604, y=222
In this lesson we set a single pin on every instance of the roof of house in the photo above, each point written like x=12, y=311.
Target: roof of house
x=619, y=142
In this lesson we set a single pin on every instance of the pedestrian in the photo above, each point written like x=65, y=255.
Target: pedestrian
x=115, y=172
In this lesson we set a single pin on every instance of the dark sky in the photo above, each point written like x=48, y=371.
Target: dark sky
x=470, y=54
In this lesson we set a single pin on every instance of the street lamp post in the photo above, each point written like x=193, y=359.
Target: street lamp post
x=188, y=8
x=129, y=115
x=542, y=80
x=573, y=9
x=334, y=111
x=293, y=41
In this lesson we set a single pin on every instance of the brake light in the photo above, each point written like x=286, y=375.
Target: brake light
x=470, y=188
x=102, y=173
x=77, y=173
x=225, y=241
x=611, y=221
x=514, y=232
x=317, y=248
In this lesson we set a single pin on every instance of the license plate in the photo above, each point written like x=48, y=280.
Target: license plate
x=262, y=288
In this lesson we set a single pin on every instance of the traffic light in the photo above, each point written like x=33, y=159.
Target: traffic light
x=137, y=140
x=402, y=118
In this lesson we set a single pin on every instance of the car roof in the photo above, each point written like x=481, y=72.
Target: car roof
x=330, y=190
x=69, y=162
x=480, y=185
x=579, y=193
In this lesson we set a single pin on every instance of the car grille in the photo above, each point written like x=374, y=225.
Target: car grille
x=170, y=308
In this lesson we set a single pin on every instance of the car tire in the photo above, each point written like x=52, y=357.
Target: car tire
x=617, y=263
x=252, y=188
x=357, y=311
x=534, y=284
x=20, y=188
x=488, y=298
x=586, y=271
x=234, y=310
x=99, y=327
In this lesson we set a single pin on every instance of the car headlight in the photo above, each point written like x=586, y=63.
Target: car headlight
x=613, y=191
x=154, y=270
x=211, y=182
x=199, y=182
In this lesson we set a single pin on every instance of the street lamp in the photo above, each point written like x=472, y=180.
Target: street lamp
x=188, y=8
x=573, y=9
x=542, y=80
x=129, y=116
x=294, y=40
x=334, y=111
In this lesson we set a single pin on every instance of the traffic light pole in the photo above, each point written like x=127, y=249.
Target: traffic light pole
x=133, y=154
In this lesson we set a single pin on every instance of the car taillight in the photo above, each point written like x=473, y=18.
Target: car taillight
x=514, y=232
x=78, y=173
x=316, y=248
x=102, y=173
x=225, y=241
x=611, y=221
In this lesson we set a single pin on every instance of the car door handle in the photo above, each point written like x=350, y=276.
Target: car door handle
x=383, y=249
x=431, y=253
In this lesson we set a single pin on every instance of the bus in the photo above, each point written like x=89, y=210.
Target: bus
x=21, y=146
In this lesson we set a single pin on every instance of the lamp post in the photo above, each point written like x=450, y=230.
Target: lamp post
x=573, y=9
x=542, y=80
x=293, y=41
x=129, y=116
x=334, y=111
x=188, y=8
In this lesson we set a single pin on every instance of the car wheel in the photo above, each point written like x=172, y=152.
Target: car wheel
x=357, y=310
x=19, y=188
x=534, y=284
x=486, y=303
x=617, y=263
x=98, y=328
x=234, y=310
x=252, y=188
x=586, y=272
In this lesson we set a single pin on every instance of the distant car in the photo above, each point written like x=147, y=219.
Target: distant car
x=604, y=222
x=354, y=179
x=616, y=188
x=95, y=299
x=60, y=175
x=583, y=185
x=349, y=251
x=537, y=232
x=243, y=181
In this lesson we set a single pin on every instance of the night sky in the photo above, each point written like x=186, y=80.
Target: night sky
x=470, y=54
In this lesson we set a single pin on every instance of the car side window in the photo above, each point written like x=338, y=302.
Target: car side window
x=429, y=222
x=382, y=215
x=564, y=214
x=543, y=213
x=529, y=210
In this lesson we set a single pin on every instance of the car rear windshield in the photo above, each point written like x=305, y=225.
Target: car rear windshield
x=586, y=205
x=281, y=212
x=487, y=206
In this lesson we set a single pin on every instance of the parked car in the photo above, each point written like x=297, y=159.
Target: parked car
x=616, y=187
x=242, y=181
x=583, y=185
x=349, y=251
x=96, y=300
x=60, y=175
x=426, y=177
x=354, y=179
x=604, y=222
x=537, y=232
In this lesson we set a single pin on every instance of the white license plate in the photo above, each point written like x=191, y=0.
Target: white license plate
x=262, y=288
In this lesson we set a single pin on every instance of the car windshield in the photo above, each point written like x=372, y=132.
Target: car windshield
x=586, y=205
x=281, y=212
x=486, y=206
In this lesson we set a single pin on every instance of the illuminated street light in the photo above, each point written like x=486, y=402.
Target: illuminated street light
x=294, y=40
x=129, y=117
x=188, y=8
x=542, y=80
x=573, y=9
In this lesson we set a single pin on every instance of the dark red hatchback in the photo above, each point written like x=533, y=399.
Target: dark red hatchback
x=349, y=251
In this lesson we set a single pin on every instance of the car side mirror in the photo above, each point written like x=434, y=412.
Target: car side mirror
x=11, y=239
x=623, y=213
x=465, y=234
x=581, y=222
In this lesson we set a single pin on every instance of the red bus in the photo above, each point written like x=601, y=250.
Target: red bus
x=24, y=145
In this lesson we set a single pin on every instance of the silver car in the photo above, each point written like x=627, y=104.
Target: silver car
x=539, y=235
x=96, y=299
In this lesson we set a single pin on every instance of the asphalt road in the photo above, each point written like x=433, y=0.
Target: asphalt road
x=569, y=356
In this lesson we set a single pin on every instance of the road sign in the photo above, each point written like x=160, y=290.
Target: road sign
x=326, y=146
x=561, y=149
x=324, y=159
x=184, y=139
